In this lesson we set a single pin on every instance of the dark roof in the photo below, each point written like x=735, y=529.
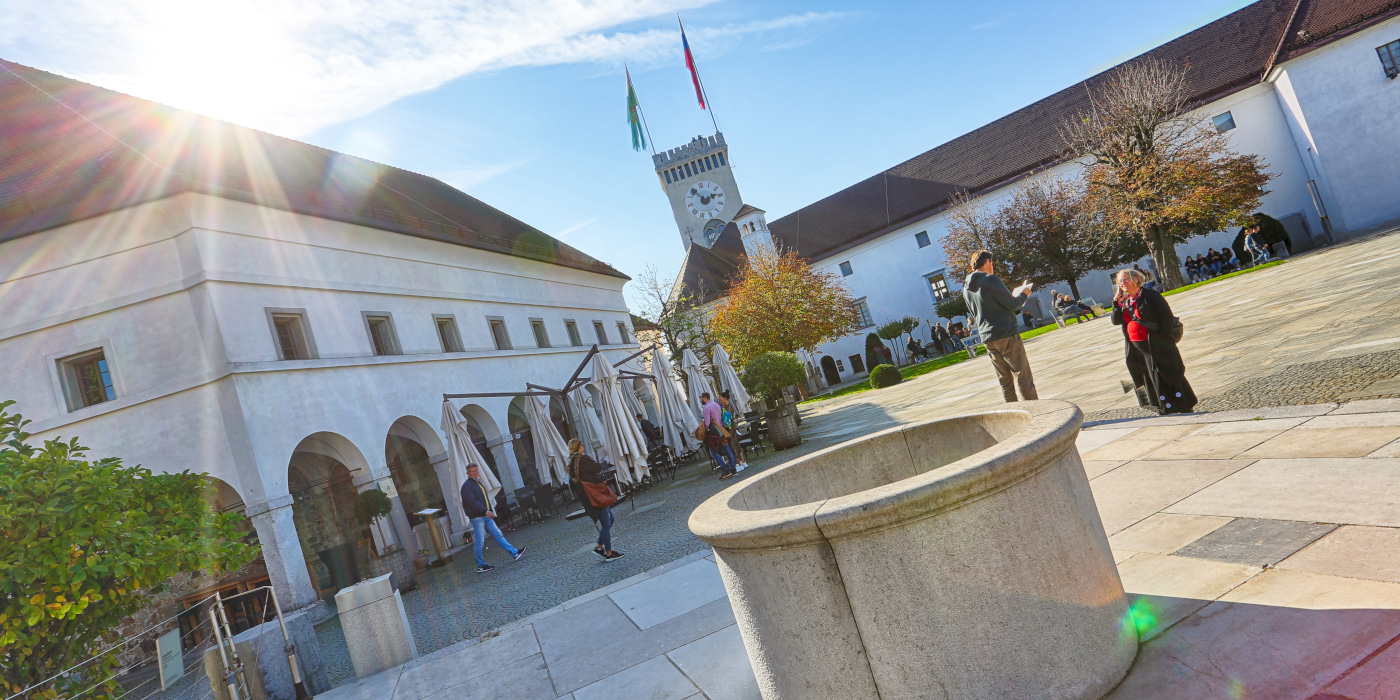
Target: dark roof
x=641, y=324
x=63, y=159
x=706, y=272
x=746, y=210
x=1224, y=56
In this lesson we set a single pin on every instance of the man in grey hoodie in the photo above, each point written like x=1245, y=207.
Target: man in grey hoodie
x=994, y=308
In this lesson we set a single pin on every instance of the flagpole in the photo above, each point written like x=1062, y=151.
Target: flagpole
x=640, y=114
x=709, y=106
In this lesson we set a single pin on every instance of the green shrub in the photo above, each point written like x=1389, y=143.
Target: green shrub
x=768, y=374
x=372, y=504
x=951, y=307
x=885, y=375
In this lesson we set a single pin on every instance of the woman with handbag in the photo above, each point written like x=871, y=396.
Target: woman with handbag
x=1153, y=331
x=585, y=477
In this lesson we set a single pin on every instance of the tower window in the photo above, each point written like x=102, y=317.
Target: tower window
x=668, y=176
x=687, y=170
x=1390, y=58
x=87, y=380
x=1224, y=122
x=721, y=158
x=921, y=238
x=846, y=270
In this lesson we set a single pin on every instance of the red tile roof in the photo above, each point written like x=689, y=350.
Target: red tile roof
x=70, y=151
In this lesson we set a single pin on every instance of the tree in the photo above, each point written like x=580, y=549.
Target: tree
x=894, y=330
x=85, y=545
x=973, y=227
x=778, y=302
x=677, y=311
x=1156, y=170
x=951, y=306
x=1053, y=235
x=768, y=374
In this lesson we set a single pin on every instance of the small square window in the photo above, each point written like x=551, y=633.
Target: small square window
x=381, y=333
x=622, y=332
x=447, y=333
x=863, y=313
x=601, y=332
x=541, y=335
x=498, y=333
x=939, y=286
x=291, y=334
x=1224, y=122
x=921, y=238
x=572, y=329
x=1390, y=58
x=840, y=365
x=87, y=379
x=846, y=269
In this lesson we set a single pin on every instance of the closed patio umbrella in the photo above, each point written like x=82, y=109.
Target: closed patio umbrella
x=729, y=380
x=551, y=452
x=590, y=430
x=623, y=441
x=677, y=421
x=696, y=381
x=460, y=453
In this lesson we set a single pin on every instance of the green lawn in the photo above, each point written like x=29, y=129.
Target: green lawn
x=1226, y=276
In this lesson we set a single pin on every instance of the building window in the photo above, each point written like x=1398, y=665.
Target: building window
x=541, y=336
x=939, y=286
x=721, y=158
x=447, y=333
x=87, y=380
x=687, y=170
x=1224, y=122
x=622, y=332
x=498, y=332
x=572, y=329
x=381, y=333
x=863, y=313
x=290, y=333
x=857, y=364
x=601, y=332
x=846, y=269
x=840, y=365
x=668, y=176
x=921, y=238
x=1390, y=58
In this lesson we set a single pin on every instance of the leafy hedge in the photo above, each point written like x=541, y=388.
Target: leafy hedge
x=885, y=375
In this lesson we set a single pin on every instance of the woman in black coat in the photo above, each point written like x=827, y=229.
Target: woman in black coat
x=584, y=470
x=1147, y=320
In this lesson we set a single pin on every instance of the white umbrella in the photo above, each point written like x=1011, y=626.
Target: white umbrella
x=634, y=404
x=623, y=440
x=590, y=430
x=678, y=423
x=696, y=381
x=551, y=452
x=729, y=379
x=460, y=453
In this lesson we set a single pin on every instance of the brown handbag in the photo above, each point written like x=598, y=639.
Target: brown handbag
x=599, y=495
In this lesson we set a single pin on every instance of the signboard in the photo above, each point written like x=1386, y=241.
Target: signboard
x=170, y=658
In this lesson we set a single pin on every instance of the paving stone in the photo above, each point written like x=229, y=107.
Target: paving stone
x=1368, y=406
x=527, y=679
x=1256, y=542
x=674, y=593
x=1353, y=551
x=719, y=665
x=1308, y=441
x=1097, y=467
x=469, y=663
x=1377, y=679
x=579, y=630
x=1167, y=589
x=1141, y=442
x=657, y=679
x=1139, y=489
x=1345, y=491
x=1164, y=533
x=1092, y=439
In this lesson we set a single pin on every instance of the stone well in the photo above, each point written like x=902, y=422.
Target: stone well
x=956, y=558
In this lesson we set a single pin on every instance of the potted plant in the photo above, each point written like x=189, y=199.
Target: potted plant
x=370, y=508
x=420, y=562
x=767, y=376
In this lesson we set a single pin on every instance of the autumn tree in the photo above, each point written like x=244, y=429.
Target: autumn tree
x=1155, y=169
x=972, y=226
x=778, y=302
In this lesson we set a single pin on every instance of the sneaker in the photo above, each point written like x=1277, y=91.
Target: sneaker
x=741, y=466
x=614, y=555
x=599, y=551
x=484, y=568
x=519, y=553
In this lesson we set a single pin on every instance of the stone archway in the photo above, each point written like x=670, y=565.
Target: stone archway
x=560, y=418
x=833, y=377
x=409, y=449
x=488, y=441
x=320, y=479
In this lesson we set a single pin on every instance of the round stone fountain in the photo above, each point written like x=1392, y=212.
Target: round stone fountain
x=956, y=558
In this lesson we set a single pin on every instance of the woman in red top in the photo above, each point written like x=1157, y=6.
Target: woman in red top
x=1152, y=355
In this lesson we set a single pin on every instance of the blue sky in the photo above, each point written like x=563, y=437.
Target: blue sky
x=522, y=104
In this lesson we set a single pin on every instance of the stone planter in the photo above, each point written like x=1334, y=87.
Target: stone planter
x=959, y=558
x=782, y=427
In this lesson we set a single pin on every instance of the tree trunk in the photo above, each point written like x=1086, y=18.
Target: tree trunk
x=1165, y=257
x=1073, y=289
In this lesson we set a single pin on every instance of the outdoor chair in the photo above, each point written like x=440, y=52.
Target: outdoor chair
x=525, y=498
x=544, y=499
x=661, y=462
x=749, y=439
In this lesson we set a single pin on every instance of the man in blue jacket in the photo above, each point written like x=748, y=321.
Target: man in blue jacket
x=993, y=308
x=477, y=505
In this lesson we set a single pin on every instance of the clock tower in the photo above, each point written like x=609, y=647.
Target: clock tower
x=700, y=184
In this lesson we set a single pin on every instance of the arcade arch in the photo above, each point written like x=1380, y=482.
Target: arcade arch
x=320, y=479
x=408, y=450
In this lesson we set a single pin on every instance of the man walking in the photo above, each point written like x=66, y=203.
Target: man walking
x=993, y=308
x=478, y=507
x=712, y=420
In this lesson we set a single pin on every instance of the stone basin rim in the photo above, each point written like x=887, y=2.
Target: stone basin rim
x=1050, y=432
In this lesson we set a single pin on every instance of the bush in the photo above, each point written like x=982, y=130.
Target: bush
x=86, y=544
x=768, y=374
x=951, y=307
x=885, y=375
x=372, y=504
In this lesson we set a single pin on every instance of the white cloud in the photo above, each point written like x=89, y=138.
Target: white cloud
x=293, y=67
x=994, y=21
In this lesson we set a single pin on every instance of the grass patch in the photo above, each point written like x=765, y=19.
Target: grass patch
x=1226, y=276
x=908, y=372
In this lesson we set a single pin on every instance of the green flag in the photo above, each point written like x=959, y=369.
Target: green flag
x=634, y=118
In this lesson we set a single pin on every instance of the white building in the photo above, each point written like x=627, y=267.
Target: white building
x=191, y=295
x=1309, y=85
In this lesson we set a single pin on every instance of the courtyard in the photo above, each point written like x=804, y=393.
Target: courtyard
x=1264, y=515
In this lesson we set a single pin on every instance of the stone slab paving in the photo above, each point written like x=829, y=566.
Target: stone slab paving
x=1253, y=578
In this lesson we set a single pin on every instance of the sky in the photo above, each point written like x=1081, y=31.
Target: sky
x=523, y=104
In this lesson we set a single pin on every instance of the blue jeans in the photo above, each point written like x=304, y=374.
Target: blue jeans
x=481, y=526
x=605, y=520
x=723, y=451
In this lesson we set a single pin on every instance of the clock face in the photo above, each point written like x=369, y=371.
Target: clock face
x=705, y=200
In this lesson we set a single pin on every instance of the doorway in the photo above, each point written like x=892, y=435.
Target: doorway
x=833, y=377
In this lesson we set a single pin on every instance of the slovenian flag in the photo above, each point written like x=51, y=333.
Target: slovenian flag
x=690, y=63
x=639, y=140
